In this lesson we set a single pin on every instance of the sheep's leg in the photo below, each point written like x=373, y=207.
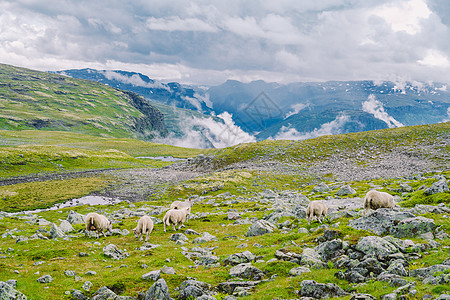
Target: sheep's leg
x=180, y=225
x=164, y=227
x=173, y=226
x=140, y=237
x=146, y=236
x=318, y=218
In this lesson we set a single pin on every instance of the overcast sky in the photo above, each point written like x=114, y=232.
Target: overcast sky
x=208, y=42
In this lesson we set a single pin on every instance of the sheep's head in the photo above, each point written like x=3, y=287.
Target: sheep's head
x=109, y=226
x=136, y=233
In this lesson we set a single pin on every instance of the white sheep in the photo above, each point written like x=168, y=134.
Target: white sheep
x=175, y=217
x=316, y=209
x=144, y=226
x=375, y=199
x=97, y=223
x=183, y=204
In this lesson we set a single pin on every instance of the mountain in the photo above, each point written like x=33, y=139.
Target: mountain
x=173, y=94
x=39, y=100
x=268, y=110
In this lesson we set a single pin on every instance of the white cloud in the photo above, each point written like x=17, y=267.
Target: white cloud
x=375, y=107
x=435, y=58
x=333, y=127
x=405, y=15
x=201, y=132
x=295, y=109
x=134, y=79
x=178, y=24
x=447, y=119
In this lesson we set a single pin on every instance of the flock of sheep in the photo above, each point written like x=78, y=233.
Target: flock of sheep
x=179, y=210
x=177, y=214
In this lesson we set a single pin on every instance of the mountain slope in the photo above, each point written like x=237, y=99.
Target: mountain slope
x=38, y=100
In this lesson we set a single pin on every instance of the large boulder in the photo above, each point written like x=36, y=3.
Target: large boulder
x=193, y=289
x=239, y=258
x=345, y=190
x=380, y=221
x=65, y=226
x=246, y=271
x=158, y=291
x=429, y=271
x=437, y=187
x=374, y=246
x=8, y=291
x=206, y=237
x=412, y=227
x=311, y=258
x=261, y=227
x=55, y=232
x=75, y=218
x=311, y=288
x=329, y=249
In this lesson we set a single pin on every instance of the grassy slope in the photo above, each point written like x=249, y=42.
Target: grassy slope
x=38, y=100
x=63, y=255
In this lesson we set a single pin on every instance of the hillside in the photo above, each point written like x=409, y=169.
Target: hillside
x=43, y=101
x=247, y=236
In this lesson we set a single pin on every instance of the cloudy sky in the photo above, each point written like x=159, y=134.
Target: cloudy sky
x=208, y=42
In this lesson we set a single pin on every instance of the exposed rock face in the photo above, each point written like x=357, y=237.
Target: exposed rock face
x=413, y=227
x=113, y=252
x=194, y=289
x=75, y=218
x=246, y=271
x=8, y=291
x=345, y=190
x=239, y=258
x=437, y=187
x=152, y=120
x=374, y=246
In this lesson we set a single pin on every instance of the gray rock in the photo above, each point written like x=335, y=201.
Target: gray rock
x=345, y=190
x=55, y=232
x=298, y=271
x=374, y=246
x=8, y=291
x=191, y=287
x=70, y=273
x=404, y=187
x=363, y=297
x=65, y=226
x=443, y=297
x=413, y=227
x=429, y=271
x=239, y=258
x=87, y=286
x=233, y=216
x=168, y=270
x=246, y=271
x=191, y=231
x=75, y=218
x=369, y=265
x=158, y=291
x=396, y=267
x=178, y=237
x=230, y=286
x=261, y=227
x=113, y=252
x=104, y=293
x=78, y=295
x=380, y=221
x=45, y=279
x=206, y=237
x=321, y=188
x=153, y=275
x=288, y=256
x=329, y=249
x=207, y=260
x=311, y=258
x=190, y=292
x=437, y=187
x=310, y=288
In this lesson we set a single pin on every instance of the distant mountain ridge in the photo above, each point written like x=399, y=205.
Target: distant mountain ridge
x=267, y=110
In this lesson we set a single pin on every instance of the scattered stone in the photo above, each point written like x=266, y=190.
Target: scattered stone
x=78, y=295
x=345, y=190
x=429, y=271
x=178, y=237
x=321, y=188
x=311, y=288
x=437, y=187
x=104, y=293
x=87, y=286
x=158, y=291
x=113, y=252
x=311, y=258
x=8, y=291
x=374, y=246
x=261, y=227
x=168, y=270
x=45, y=279
x=413, y=227
x=363, y=297
x=329, y=249
x=70, y=273
x=56, y=232
x=153, y=275
x=229, y=287
x=239, y=258
x=75, y=218
x=247, y=271
x=206, y=237
x=65, y=226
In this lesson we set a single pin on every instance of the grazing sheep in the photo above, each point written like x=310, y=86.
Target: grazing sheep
x=144, y=226
x=316, y=209
x=183, y=204
x=375, y=200
x=97, y=223
x=175, y=217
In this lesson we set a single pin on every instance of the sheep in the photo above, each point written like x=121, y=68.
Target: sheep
x=375, y=199
x=97, y=223
x=183, y=204
x=175, y=217
x=144, y=226
x=317, y=209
